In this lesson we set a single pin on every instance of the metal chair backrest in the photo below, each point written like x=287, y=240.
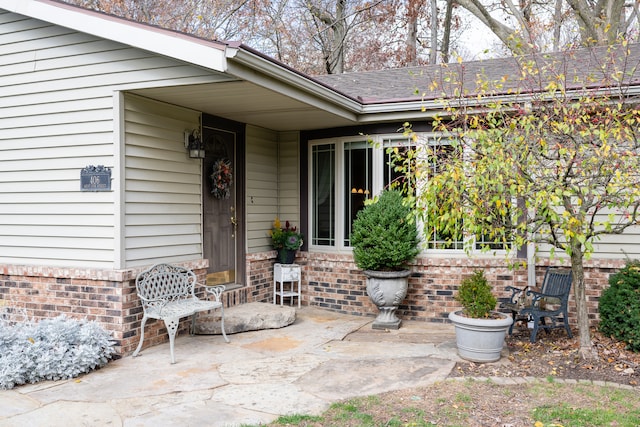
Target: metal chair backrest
x=164, y=281
x=557, y=283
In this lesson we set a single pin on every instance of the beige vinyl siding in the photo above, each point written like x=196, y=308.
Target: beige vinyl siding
x=273, y=181
x=57, y=97
x=613, y=246
x=619, y=246
x=45, y=141
x=261, y=186
x=289, y=177
x=163, y=204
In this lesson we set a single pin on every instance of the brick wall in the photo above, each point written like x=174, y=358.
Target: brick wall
x=333, y=282
x=260, y=276
x=329, y=281
x=105, y=296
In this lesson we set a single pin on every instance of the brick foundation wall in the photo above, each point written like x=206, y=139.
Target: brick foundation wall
x=333, y=282
x=260, y=276
x=105, y=296
x=329, y=281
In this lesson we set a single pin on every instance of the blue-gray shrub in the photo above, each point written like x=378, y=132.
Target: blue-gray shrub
x=53, y=349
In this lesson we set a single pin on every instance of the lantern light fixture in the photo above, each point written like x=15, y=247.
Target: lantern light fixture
x=194, y=144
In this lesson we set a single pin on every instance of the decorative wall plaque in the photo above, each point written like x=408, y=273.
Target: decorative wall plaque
x=95, y=178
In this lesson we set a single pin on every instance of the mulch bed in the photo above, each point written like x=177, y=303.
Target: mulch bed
x=556, y=355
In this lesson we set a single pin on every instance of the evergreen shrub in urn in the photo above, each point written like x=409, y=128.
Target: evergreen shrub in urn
x=383, y=237
x=385, y=240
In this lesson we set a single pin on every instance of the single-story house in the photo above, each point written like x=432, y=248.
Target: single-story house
x=98, y=182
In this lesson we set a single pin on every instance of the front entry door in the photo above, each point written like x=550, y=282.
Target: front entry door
x=219, y=204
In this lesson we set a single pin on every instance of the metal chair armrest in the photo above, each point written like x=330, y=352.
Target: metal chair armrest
x=216, y=291
x=514, y=291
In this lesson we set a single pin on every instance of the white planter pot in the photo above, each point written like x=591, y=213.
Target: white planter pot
x=480, y=340
x=387, y=289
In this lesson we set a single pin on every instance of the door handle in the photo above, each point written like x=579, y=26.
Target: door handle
x=233, y=218
x=234, y=221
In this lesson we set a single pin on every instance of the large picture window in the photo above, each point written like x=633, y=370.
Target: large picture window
x=323, y=196
x=437, y=153
x=358, y=176
x=345, y=172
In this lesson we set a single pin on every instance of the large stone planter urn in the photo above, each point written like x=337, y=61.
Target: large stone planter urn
x=480, y=340
x=387, y=289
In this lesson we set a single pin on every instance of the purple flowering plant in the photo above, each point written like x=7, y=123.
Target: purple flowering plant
x=286, y=237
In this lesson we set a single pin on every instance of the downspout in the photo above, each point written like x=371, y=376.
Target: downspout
x=531, y=264
x=278, y=178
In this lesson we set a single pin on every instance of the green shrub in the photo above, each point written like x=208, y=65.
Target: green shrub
x=383, y=238
x=476, y=296
x=619, y=306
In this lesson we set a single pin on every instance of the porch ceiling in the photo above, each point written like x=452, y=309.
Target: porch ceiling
x=248, y=103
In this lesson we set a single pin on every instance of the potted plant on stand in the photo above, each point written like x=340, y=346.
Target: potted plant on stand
x=286, y=240
x=480, y=330
x=384, y=241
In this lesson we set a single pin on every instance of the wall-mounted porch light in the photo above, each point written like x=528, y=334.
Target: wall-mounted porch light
x=194, y=144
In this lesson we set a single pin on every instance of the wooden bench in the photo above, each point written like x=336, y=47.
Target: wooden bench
x=167, y=293
x=550, y=302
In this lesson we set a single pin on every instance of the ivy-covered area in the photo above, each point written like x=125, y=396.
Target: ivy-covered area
x=52, y=349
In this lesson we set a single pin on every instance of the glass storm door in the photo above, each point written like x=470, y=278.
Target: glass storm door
x=220, y=216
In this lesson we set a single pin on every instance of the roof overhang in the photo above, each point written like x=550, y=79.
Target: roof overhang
x=205, y=53
x=259, y=90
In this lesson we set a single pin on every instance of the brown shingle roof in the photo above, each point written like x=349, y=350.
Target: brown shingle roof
x=589, y=67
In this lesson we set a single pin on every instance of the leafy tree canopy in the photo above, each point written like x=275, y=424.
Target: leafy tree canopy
x=555, y=161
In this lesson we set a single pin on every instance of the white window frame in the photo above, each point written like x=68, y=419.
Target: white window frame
x=379, y=144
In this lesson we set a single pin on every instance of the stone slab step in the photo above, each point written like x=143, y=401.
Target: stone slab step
x=246, y=317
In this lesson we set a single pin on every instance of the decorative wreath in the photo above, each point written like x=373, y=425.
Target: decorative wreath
x=221, y=179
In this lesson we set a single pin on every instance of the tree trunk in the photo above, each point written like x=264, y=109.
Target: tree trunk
x=433, y=49
x=557, y=25
x=506, y=34
x=412, y=33
x=333, y=43
x=446, y=34
x=577, y=269
x=339, y=37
